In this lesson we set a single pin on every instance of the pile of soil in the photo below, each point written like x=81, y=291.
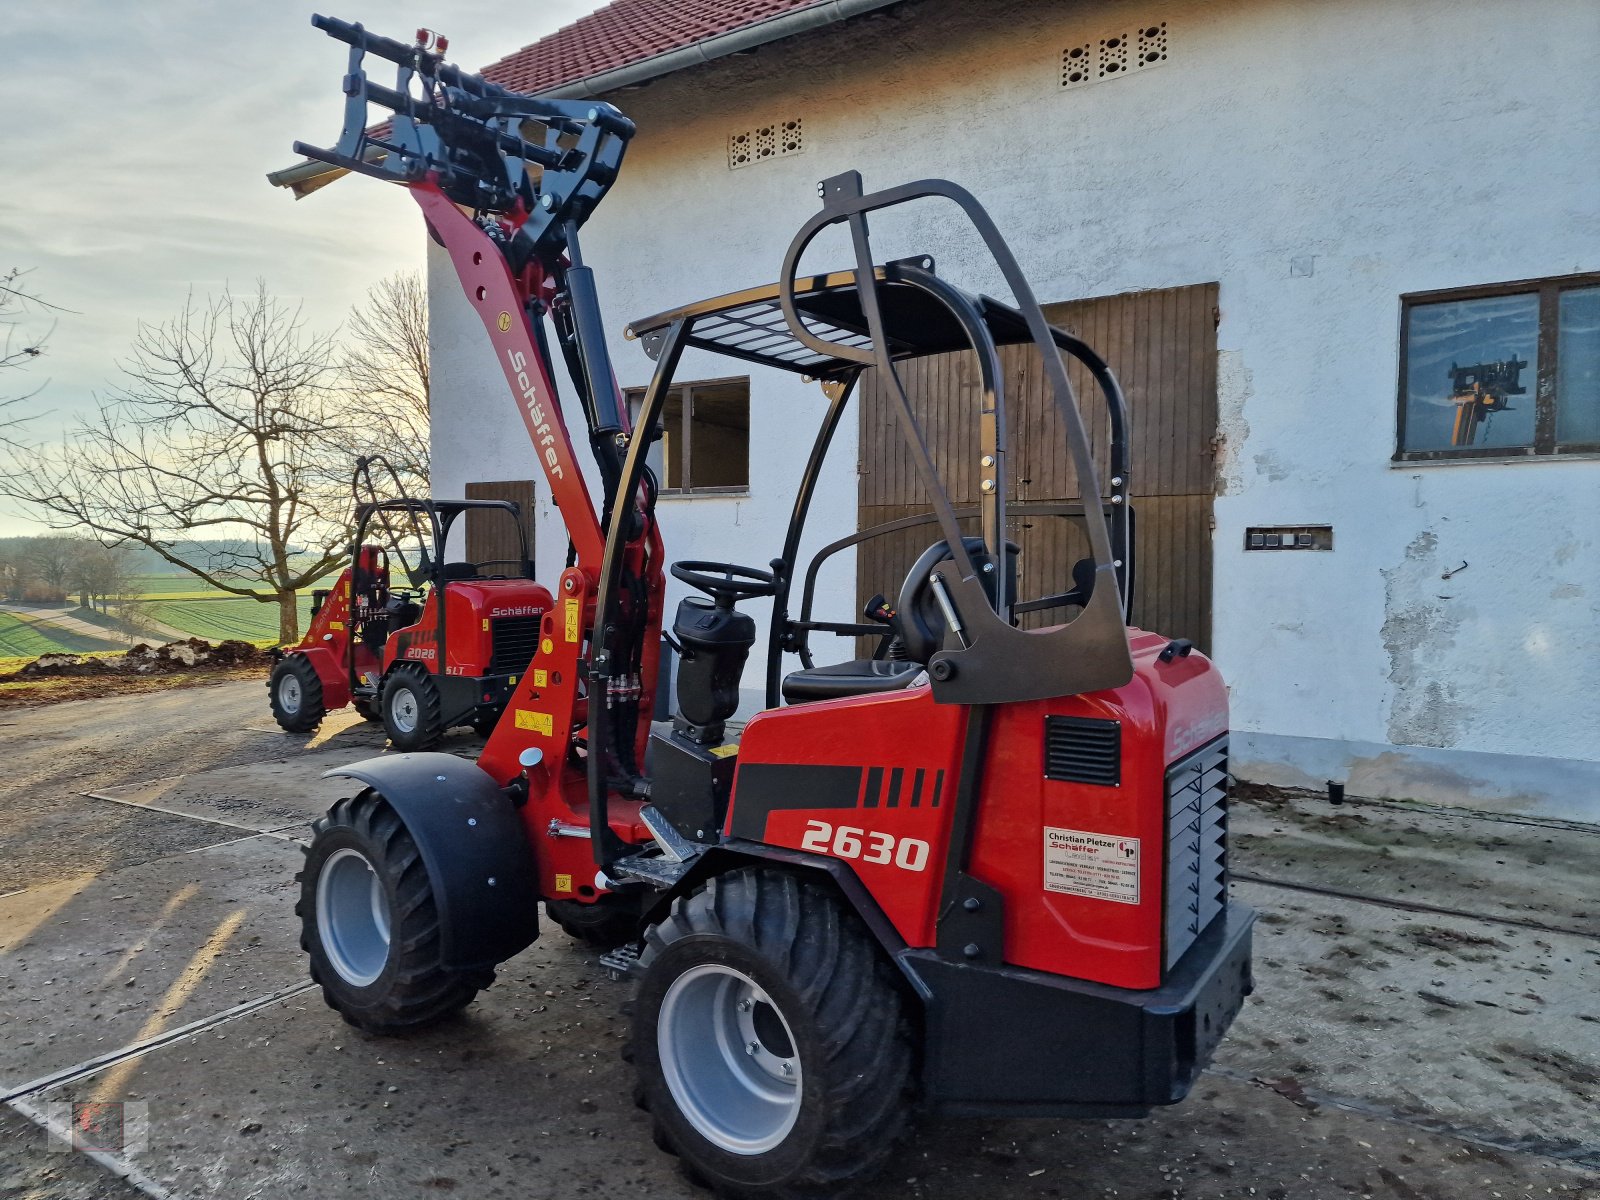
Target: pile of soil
x=193, y=654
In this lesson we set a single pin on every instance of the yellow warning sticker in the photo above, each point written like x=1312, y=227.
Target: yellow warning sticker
x=547, y=645
x=541, y=679
x=339, y=625
x=513, y=681
x=486, y=624
x=572, y=608
x=537, y=721
x=563, y=883
x=724, y=751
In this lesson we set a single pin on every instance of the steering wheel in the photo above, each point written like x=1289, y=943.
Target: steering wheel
x=724, y=582
x=479, y=566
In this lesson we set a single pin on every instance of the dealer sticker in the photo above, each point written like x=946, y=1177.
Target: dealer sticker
x=1080, y=863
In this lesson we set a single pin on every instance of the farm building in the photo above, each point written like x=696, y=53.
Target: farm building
x=1351, y=289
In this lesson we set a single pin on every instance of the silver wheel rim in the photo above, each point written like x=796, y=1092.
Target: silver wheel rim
x=289, y=694
x=729, y=1059
x=403, y=710
x=353, y=917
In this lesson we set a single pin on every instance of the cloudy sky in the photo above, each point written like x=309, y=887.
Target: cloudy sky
x=136, y=139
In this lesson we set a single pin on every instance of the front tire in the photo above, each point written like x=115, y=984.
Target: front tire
x=295, y=693
x=770, y=1039
x=369, y=922
x=412, y=712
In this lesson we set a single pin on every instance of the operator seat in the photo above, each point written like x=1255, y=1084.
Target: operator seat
x=919, y=627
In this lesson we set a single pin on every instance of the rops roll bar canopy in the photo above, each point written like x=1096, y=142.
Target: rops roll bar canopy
x=831, y=328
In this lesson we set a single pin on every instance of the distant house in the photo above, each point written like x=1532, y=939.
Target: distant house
x=1344, y=256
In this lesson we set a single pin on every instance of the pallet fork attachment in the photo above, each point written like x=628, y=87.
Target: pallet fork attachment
x=504, y=182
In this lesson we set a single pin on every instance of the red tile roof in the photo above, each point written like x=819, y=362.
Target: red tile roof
x=625, y=32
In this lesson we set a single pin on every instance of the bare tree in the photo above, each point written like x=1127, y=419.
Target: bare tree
x=230, y=427
x=20, y=345
x=13, y=571
x=385, y=361
x=100, y=573
x=53, y=561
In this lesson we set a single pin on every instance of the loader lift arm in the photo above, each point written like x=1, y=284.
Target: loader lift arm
x=504, y=182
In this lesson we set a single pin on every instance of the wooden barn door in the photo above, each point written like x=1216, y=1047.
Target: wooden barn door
x=493, y=535
x=1162, y=345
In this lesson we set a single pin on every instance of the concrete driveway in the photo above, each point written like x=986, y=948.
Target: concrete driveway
x=1427, y=1023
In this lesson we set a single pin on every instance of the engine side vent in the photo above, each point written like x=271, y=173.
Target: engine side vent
x=515, y=640
x=1083, y=750
x=1197, y=846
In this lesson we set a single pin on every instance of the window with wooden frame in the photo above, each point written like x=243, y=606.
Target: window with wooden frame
x=705, y=437
x=1501, y=371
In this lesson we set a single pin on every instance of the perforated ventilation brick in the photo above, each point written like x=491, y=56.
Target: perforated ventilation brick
x=766, y=142
x=1113, y=55
x=1075, y=69
x=1152, y=45
x=776, y=140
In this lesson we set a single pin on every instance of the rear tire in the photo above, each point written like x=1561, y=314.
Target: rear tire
x=369, y=922
x=770, y=1039
x=412, y=713
x=608, y=922
x=295, y=692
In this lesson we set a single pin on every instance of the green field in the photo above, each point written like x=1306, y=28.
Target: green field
x=107, y=621
x=220, y=617
x=176, y=587
x=189, y=604
x=180, y=602
x=23, y=638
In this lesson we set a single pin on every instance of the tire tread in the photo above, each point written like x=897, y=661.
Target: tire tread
x=823, y=950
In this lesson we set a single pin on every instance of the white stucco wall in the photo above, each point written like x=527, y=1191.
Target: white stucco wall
x=1347, y=130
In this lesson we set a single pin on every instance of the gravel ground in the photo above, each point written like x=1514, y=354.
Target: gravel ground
x=1343, y=1079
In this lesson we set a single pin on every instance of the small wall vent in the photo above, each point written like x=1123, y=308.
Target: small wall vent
x=778, y=139
x=1123, y=52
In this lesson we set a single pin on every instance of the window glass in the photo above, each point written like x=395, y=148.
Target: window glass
x=1578, y=366
x=1470, y=371
x=672, y=440
x=720, y=436
x=705, y=441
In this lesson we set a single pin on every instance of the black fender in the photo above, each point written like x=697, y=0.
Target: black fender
x=473, y=845
x=740, y=852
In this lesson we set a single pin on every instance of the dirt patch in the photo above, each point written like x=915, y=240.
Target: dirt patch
x=188, y=655
x=1433, y=937
x=54, y=678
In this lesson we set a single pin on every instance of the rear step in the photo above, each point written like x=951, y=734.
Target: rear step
x=618, y=963
x=656, y=870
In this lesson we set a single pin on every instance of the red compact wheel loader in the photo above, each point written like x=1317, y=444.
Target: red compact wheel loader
x=445, y=648
x=982, y=870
